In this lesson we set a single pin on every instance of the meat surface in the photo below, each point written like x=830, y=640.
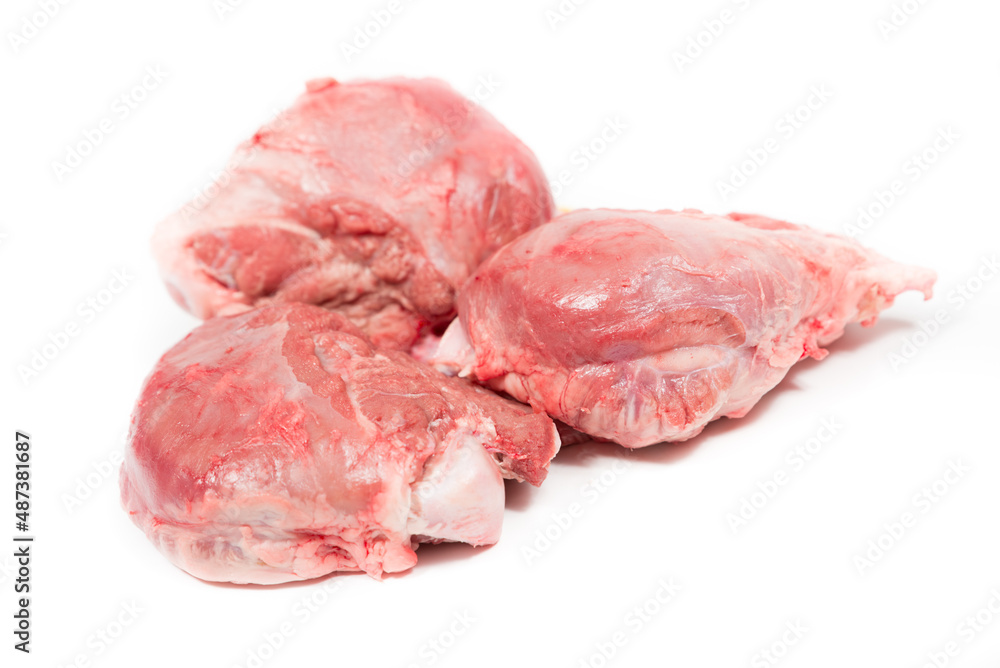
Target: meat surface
x=640, y=327
x=280, y=445
x=374, y=198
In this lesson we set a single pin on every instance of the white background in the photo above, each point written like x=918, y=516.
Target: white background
x=665, y=513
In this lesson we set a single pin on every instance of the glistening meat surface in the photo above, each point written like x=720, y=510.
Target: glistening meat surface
x=280, y=445
x=374, y=198
x=640, y=327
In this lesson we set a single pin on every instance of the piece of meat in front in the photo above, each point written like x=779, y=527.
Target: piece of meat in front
x=640, y=327
x=373, y=198
x=280, y=445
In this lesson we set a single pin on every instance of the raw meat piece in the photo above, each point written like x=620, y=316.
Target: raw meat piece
x=374, y=198
x=279, y=445
x=641, y=327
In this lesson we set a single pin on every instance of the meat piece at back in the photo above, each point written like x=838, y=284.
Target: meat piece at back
x=640, y=327
x=280, y=445
x=374, y=198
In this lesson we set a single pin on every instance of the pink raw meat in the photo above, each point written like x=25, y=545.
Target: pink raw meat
x=642, y=327
x=279, y=445
x=374, y=198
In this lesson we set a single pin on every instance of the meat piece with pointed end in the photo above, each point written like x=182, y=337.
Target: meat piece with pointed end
x=640, y=327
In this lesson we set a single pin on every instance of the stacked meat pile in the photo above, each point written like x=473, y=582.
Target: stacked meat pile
x=295, y=433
